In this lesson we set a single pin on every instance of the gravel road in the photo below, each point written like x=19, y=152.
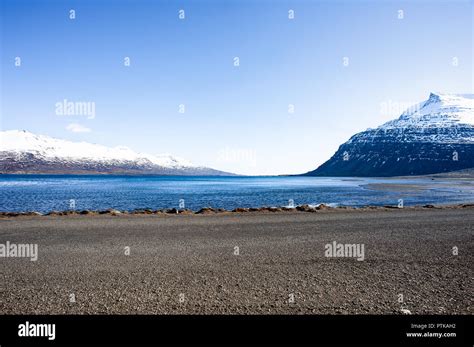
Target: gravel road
x=190, y=264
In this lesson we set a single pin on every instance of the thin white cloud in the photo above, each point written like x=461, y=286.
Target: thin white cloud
x=77, y=128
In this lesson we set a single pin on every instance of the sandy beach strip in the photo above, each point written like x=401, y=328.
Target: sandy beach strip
x=242, y=263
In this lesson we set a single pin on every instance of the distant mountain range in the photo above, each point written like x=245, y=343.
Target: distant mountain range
x=22, y=152
x=435, y=136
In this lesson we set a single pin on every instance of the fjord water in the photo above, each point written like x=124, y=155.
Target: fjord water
x=47, y=193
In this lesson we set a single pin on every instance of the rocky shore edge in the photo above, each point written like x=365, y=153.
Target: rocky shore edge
x=210, y=210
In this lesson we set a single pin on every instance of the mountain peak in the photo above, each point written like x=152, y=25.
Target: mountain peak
x=24, y=152
x=436, y=135
x=23, y=141
x=433, y=98
x=449, y=109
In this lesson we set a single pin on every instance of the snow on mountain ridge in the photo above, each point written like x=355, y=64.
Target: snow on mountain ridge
x=440, y=110
x=442, y=118
x=435, y=136
x=51, y=148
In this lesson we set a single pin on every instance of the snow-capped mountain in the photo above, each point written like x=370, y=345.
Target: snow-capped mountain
x=434, y=136
x=25, y=152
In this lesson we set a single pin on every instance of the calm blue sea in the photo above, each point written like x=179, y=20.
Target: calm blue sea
x=46, y=193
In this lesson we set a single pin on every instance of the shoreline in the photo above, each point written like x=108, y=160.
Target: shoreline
x=247, y=210
x=467, y=173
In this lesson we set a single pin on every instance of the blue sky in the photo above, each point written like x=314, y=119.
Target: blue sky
x=235, y=118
